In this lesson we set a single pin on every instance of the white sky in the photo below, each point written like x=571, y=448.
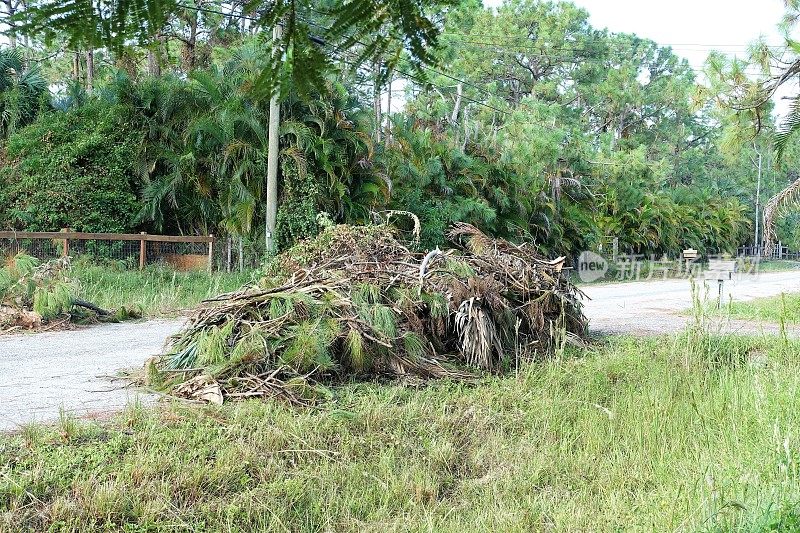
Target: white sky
x=691, y=26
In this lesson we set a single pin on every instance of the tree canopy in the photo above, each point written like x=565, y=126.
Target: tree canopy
x=523, y=120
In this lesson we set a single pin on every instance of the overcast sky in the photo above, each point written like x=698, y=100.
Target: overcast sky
x=691, y=25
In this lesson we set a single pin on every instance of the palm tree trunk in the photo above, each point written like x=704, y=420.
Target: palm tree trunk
x=12, y=34
x=76, y=66
x=457, y=106
x=228, y=263
x=190, y=47
x=466, y=130
x=389, y=110
x=154, y=57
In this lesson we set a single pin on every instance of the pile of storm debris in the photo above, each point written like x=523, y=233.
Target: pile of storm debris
x=356, y=302
x=36, y=295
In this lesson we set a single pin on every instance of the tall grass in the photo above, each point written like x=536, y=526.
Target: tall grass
x=784, y=308
x=691, y=432
x=156, y=290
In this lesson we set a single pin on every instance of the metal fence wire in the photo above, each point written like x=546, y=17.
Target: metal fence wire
x=38, y=248
x=132, y=250
x=182, y=255
x=125, y=251
x=779, y=251
x=232, y=254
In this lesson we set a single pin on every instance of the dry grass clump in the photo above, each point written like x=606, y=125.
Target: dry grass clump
x=357, y=301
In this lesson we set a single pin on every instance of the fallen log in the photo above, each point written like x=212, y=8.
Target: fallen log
x=92, y=307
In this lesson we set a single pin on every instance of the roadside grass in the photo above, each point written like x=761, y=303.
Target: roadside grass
x=782, y=308
x=691, y=432
x=778, y=265
x=155, y=291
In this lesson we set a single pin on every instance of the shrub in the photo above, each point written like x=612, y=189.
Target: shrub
x=71, y=169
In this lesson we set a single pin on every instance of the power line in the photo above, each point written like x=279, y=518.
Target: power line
x=521, y=46
x=508, y=39
x=540, y=50
x=215, y=12
x=406, y=74
x=427, y=82
x=696, y=69
x=541, y=54
x=421, y=81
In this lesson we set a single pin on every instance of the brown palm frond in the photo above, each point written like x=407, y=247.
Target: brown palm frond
x=353, y=303
x=477, y=334
x=788, y=196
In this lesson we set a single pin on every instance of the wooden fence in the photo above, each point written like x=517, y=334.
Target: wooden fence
x=779, y=251
x=64, y=237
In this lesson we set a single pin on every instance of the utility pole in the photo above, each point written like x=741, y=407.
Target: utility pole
x=376, y=100
x=756, y=242
x=272, y=154
x=389, y=109
x=89, y=69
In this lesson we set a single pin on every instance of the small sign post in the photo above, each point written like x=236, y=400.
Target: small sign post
x=689, y=255
x=721, y=269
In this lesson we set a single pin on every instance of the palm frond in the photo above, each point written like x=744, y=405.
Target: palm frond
x=790, y=126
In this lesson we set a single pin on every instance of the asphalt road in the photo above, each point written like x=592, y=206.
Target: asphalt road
x=42, y=373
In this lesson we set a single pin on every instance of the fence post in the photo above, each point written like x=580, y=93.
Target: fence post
x=211, y=254
x=142, y=250
x=65, y=249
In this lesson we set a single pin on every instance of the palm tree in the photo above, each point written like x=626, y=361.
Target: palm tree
x=22, y=89
x=788, y=196
x=205, y=144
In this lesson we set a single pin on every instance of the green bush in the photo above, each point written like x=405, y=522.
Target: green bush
x=71, y=169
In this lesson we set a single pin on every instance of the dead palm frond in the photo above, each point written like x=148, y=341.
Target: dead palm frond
x=785, y=198
x=352, y=303
x=477, y=335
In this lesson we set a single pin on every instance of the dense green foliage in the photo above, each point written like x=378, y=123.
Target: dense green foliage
x=23, y=286
x=533, y=126
x=73, y=170
x=23, y=91
x=394, y=31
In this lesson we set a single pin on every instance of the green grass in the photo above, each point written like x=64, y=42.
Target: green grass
x=691, y=433
x=778, y=265
x=155, y=290
x=784, y=308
